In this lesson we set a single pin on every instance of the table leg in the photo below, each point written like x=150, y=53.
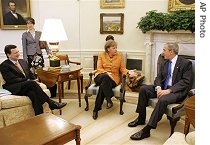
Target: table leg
x=78, y=88
x=78, y=139
x=60, y=94
x=186, y=126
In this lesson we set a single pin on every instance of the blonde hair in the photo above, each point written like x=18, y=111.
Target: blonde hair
x=109, y=44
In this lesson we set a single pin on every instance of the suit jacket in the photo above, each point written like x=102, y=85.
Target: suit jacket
x=114, y=65
x=9, y=19
x=181, y=78
x=31, y=45
x=13, y=76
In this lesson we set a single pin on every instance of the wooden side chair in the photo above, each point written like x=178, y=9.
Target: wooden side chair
x=176, y=110
x=92, y=89
x=64, y=60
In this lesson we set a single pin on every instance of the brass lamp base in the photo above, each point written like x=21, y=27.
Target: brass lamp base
x=54, y=63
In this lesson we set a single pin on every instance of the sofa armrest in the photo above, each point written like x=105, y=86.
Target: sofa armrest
x=190, y=138
x=43, y=86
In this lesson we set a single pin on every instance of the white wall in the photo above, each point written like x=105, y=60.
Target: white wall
x=81, y=19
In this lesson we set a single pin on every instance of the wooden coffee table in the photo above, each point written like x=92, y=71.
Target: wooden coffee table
x=44, y=129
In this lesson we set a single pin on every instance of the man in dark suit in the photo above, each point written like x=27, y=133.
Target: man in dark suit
x=171, y=85
x=21, y=81
x=12, y=17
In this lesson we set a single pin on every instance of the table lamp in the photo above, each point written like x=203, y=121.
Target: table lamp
x=53, y=32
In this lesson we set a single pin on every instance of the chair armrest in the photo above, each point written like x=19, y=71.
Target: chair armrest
x=122, y=88
x=190, y=94
x=91, y=74
x=77, y=63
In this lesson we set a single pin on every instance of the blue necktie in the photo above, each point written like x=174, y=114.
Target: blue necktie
x=168, y=75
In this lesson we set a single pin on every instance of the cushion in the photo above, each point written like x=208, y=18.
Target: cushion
x=93, y=90
x=10, y=101
x=4, y=92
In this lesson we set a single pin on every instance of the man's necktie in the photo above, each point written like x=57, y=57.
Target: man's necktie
x=168, y=75
x=20, y=68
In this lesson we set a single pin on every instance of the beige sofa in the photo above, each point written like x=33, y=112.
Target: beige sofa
x=15, y=108
x=179, y=138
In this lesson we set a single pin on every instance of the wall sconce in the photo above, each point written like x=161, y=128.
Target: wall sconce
x=53, y=32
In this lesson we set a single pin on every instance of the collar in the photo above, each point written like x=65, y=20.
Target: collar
x=13, y=61
x=174, y=59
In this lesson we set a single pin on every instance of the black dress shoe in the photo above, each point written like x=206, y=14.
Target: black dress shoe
x=56, y=105
x=95, y=115
x=136, y=122
x=109, y=105
x=140, y=135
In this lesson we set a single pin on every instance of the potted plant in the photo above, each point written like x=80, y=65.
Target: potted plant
x=178, y=20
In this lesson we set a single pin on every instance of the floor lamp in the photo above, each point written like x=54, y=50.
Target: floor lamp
x=53, y=32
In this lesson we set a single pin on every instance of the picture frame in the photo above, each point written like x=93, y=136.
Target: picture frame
x=109, y=4
x=174, y=5
x=111, y=23
x=8, y=20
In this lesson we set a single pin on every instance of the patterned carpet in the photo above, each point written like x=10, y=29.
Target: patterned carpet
x=111, y=128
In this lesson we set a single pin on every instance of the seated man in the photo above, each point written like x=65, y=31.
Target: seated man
x=171, y=85
x=21, y=81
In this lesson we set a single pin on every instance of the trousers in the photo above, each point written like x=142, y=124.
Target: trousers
x=37, y=96
x=145, y=93
x=105, y=84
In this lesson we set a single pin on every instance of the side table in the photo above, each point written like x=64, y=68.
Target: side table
x=189, y=108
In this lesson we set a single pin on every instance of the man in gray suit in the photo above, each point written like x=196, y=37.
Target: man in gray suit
x=171, y=85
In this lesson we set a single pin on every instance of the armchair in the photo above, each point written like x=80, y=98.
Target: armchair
x=175, y=111
x=92, y=89
x=65, y=60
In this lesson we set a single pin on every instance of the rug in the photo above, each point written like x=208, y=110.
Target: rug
x=111, y=128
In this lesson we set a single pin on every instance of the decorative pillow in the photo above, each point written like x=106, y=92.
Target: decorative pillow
x=4, y=92
x=135, y=82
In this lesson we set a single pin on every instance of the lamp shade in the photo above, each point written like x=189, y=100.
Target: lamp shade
x=53, y=31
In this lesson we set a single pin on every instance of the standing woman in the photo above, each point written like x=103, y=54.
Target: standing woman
x=32, y=52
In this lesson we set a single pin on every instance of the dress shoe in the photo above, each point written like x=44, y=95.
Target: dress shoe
x=136, y=122
x=109, y=105
x=140, y=135
x=56, y=105
x=95, y=115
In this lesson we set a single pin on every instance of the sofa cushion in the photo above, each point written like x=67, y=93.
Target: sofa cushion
x=10, y=101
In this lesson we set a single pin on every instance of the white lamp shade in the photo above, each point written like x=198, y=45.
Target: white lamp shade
x=53, y=31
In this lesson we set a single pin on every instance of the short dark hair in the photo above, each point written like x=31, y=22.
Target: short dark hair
x=8, y=48
x=109, y=37
x=11, y=2
x=29, y=19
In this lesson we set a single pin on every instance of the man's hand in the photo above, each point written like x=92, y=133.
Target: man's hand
x=37, y=81
x=161, y=93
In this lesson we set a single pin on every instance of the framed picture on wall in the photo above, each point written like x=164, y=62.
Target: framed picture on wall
x=106, y=4
x=13, y=13
x=174, y=5
x=111, y=23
